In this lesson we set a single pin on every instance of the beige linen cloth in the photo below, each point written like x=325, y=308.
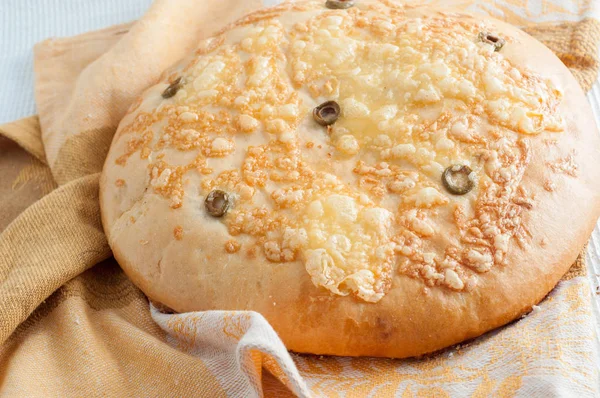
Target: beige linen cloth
x=71, y=323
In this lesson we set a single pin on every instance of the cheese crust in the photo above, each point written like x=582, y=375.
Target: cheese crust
x=344, y=236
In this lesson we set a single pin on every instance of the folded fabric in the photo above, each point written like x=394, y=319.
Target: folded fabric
x=68, y=329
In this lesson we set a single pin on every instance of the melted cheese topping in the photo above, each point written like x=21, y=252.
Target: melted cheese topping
x=349, y=247
x=416, y=95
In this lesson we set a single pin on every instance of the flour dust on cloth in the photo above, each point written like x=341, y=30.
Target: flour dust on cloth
x=72, y=324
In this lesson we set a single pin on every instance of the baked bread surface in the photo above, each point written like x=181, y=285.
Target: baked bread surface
x=344, y=236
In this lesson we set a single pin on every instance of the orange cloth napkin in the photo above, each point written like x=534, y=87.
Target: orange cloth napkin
x=71, y=323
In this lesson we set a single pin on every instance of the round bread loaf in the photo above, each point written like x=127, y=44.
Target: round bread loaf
x=374, y=178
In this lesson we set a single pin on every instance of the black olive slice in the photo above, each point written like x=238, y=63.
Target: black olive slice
x=492, y=39
x=339, y=4
x=172, y=89
x=327, y=113
x=457, y=179
x=217, y=203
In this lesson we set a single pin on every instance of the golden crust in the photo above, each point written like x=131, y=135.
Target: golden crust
x=412, y=317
